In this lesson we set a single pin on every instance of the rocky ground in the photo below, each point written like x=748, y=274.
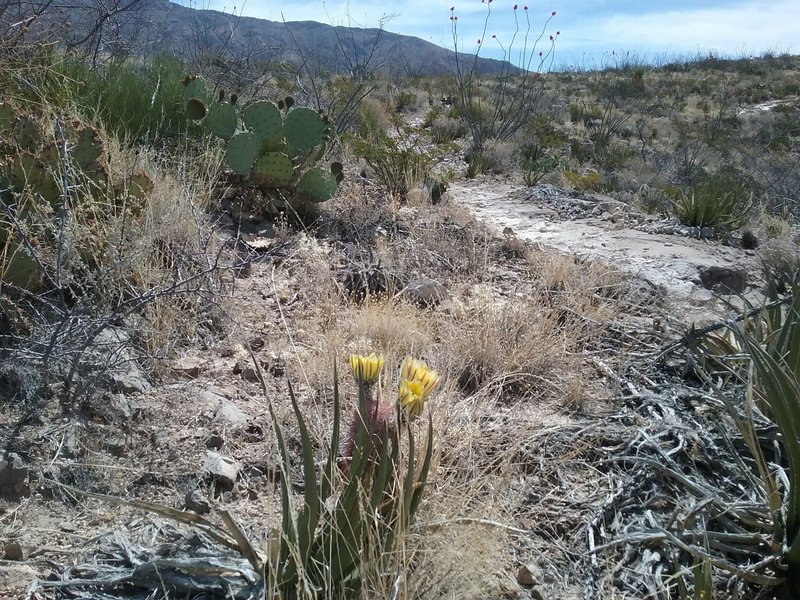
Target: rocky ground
x=197, y=436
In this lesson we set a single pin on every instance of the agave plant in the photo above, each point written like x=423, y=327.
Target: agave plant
x=770, y=347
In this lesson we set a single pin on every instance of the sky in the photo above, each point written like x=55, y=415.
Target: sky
x=592, y=33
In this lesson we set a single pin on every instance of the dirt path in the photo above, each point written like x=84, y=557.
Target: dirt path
x=599, y=227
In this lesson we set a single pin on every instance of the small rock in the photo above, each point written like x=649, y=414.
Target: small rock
x=189, y=366
x=275, y=366
x=131, y=381
x=256, y=343
x=424, y=292
x=749, y=240
x=222, y=468
x=250, y=374
x=13, y=551
x=246, y=370
x=723, y=279
x=15, y=576
x=13, y=475
x=529, y=575
x=196, y=502
x=699, y=297
x=116, y=445
x=215, y=441
x=68, y=526
x=229, y=413
x=118, y=406
x=511, y=590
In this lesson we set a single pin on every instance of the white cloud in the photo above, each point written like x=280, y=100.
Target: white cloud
x=744, y=28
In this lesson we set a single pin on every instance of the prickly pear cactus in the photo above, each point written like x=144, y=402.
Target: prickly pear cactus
x=265, y=121
x=196, y=96
x=270, y=145
x=38, y=162
x=242, y=152
x=16, y=265
x=221, y=120
x=7, y=117
x=88, y=149
x=27, y=170
x=273, y=169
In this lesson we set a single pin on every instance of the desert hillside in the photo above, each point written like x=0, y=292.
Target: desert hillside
x=316, y=334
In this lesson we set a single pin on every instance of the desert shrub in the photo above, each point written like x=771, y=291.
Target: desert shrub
x=432, y=115
x=763, y=352
x=140, y=103
x=701, y=139
x=653, y=199
x=536, y=163
x=445, y=129
x=780, y=260
x=513, y=95
x=408, y=100
x=113, y=272
x=372, y=119
x=588, y=181
x=499, y=156
x=398, y=162
x=720, y=201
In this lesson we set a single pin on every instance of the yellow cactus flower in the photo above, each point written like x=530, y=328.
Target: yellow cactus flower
x=366, y=368
x=416, y=383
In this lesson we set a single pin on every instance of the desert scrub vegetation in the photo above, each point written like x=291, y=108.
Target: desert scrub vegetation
x=102, y=241
x=535, y=431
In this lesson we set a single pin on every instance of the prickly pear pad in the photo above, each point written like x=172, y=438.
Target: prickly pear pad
x=273, y=169
x=241, y=153
x=303, y=130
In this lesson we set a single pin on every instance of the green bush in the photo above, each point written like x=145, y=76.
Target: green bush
x=536, y=163
x=444, y=129
x=141, y=103
x=590, y=181
x=398, y=163
x=719, y=201
x=764, y=352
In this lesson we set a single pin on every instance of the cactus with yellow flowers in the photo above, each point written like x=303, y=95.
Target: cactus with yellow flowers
x=368, y=499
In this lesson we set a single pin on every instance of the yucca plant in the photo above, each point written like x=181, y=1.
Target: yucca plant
x=718, y=201
x=363, y=503
x=765, y=354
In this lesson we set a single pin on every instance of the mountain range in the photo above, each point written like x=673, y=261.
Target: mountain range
x=145, y=27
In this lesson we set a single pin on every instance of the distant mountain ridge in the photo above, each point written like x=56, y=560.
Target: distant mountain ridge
x=190, y=33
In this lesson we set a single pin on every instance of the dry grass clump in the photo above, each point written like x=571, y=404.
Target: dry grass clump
x=589, y=286
x=517, y=347
x=499, y=156
x=444, y=241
